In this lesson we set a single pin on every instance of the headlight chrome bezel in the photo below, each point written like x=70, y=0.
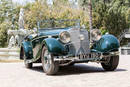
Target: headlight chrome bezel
x=65, y=37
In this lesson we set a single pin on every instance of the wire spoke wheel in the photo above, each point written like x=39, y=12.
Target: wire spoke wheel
x=50, y=66
x=112, y=64
x=47, y=60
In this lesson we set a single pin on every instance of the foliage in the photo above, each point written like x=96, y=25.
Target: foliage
x=110, y=19
x=3, y=33
x=8, y=15
x=5, y=10
x=41, y=11
x=112, y=15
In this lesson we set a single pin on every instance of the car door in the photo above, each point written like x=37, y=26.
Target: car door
x=36, y=46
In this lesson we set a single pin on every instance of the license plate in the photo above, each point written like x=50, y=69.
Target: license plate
x=91, y=55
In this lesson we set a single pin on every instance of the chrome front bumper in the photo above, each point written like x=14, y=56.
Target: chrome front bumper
x=86, y=58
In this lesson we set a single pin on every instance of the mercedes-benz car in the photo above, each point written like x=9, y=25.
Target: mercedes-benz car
x=56, y=46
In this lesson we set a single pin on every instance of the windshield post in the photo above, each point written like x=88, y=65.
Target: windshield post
x=77, y=24
x=38, y=26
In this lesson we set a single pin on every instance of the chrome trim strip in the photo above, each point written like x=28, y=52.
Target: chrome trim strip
x=43, y=37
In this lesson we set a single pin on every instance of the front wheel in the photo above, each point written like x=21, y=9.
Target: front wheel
x=112, y=64
x=50, y=66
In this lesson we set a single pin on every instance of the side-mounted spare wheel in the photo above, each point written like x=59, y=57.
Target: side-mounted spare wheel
x=22, y=56
x=50, y=66
x=112, y=64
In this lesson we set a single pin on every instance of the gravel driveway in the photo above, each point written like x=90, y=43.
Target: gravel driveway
x=79, y=75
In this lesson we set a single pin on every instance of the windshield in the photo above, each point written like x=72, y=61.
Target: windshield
x=49, y=24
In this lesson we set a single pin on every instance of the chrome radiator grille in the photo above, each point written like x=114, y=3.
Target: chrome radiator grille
x=79, y=46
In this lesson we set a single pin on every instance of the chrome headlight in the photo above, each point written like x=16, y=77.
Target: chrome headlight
x=64, y=37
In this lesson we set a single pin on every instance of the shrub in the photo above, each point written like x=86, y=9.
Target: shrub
x=3, y=33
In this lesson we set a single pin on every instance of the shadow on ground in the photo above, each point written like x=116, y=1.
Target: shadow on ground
x=77, y=69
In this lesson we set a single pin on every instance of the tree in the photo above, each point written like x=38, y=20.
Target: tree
x=41, y=11
x=3, y=33
x=4, y=10
x=7, y=14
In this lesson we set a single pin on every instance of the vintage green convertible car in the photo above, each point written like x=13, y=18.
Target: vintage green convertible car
x=54, y=47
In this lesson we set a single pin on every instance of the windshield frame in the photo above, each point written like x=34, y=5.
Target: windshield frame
x=76, y=23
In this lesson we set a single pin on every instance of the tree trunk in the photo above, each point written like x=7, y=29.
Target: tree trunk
x=90, y=17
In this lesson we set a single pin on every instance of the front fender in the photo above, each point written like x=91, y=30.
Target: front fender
x=27, y=47
x=107, y=43
x=54, y=46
